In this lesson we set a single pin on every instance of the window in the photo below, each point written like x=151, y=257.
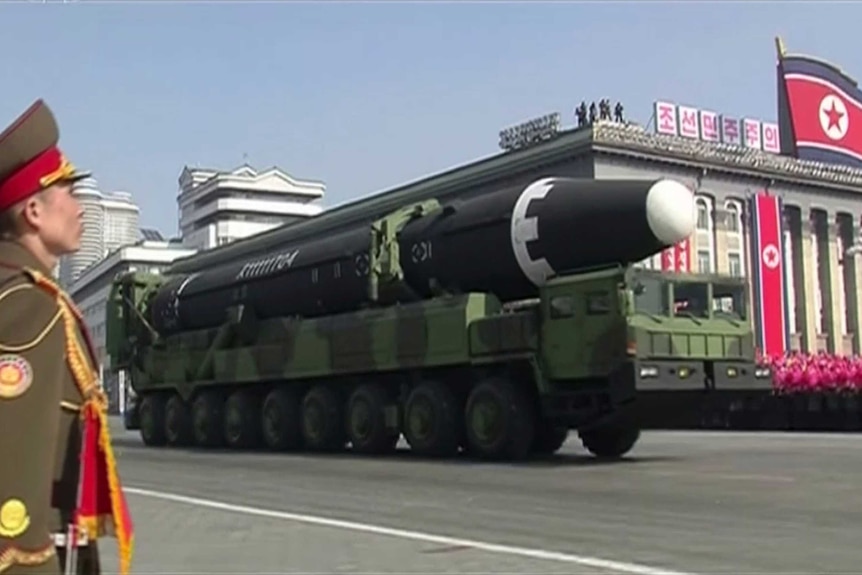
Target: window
x=729, y=300
x=732, y=219
x=651, y=296
x=703, y=264
x=702, y=215
x=598, y=303
x=691, y=299
x=734, y=264
x=562, y=306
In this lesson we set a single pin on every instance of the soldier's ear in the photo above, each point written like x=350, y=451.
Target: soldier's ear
x=33, y=211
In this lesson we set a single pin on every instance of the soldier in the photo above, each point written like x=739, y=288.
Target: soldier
x=40, y=392
x=618, y=112
x=582, y=114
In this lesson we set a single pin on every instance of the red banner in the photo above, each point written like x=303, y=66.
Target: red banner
x=677, y=258
x=767, y=248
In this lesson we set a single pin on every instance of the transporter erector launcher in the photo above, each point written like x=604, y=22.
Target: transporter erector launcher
x=507, y=243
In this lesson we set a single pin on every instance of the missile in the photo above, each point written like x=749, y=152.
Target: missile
x=508, y=243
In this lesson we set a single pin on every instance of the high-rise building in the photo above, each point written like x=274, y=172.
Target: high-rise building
x=217, y=207
x=110, y=222
x=121, y=221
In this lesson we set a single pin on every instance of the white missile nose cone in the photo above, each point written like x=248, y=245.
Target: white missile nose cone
x=670, y=211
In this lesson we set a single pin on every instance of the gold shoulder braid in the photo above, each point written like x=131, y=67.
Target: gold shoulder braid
x=86, y=378
x=40, y=336
x=14, y=556
x=83, y=365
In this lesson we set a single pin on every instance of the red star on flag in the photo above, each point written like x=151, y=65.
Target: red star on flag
x=834, y=116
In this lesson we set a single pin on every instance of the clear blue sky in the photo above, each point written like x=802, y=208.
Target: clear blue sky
x=366, y=96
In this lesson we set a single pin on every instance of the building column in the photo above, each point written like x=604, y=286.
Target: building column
x=803, y=278
x=853, y=281
x=856, y=297
x=790, y=288
x=830, y=282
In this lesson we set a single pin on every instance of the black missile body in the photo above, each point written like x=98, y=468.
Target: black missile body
x=507, y=243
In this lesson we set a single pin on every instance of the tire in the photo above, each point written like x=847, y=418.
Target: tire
x=611, y=440
x=500, y=421
x=151, y=413
x=365, y=421
x=207, y=417
x=280, y=421
x=178, y=422
x=432, y=421
x=241, y=423
x=323, y=420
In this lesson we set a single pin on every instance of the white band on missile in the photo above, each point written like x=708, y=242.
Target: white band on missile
x=179, y=292
x=524, y=229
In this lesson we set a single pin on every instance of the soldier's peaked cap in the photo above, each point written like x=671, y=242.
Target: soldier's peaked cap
x=30, y=159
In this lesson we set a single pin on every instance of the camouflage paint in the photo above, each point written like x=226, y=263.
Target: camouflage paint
x=579, y=329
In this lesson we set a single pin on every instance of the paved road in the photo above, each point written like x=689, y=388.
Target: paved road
x=692, y=502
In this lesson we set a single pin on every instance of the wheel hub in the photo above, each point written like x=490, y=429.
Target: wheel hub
x=486, y=420
x=421, y=419
x=313, y=420
x=360, y=420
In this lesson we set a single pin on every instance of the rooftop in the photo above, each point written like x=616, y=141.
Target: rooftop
x=636, y=139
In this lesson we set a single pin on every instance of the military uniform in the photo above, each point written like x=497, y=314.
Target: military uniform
x=39, y=395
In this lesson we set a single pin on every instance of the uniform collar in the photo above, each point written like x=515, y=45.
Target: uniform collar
x=14, y=254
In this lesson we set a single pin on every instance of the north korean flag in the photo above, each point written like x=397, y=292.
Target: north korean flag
x=822, y=108
x=767, y=257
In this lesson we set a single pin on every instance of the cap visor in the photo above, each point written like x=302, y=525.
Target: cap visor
x=77, y=177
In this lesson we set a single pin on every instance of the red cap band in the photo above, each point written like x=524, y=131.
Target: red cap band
x=46, y=169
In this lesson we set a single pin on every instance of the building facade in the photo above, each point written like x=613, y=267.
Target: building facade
x=218, y=207
x=92, y=289
x=110, y=221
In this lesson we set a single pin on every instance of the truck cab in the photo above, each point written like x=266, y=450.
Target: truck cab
x=692, y=331
x=650, y=331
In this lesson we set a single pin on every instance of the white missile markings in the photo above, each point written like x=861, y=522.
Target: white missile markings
x=524, y=229
x=266, y=266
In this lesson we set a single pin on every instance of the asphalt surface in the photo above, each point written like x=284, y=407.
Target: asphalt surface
x=692, y=502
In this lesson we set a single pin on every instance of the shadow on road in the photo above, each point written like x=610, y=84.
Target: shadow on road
x=401, y=454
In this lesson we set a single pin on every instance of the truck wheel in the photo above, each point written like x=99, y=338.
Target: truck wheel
x=610, y=440
x=178, y=422
x=207, y=415
x=549, y=438
x=366, y=421
x=241, y=424
x=323, y=420
x=432, y=422
x=500, y=421
x=151, y=411
x=279, y=420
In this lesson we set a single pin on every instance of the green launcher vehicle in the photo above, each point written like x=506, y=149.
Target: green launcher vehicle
x=493, y=325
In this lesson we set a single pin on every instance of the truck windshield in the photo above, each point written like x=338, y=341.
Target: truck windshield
x=651, y=297
x=728, y=300
x=691, y=299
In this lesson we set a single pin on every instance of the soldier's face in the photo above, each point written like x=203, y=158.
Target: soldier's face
x=58, y=218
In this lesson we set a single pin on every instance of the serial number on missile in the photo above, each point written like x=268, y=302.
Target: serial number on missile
x=266, y=266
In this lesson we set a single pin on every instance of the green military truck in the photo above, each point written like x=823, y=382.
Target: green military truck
x=268, y=353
